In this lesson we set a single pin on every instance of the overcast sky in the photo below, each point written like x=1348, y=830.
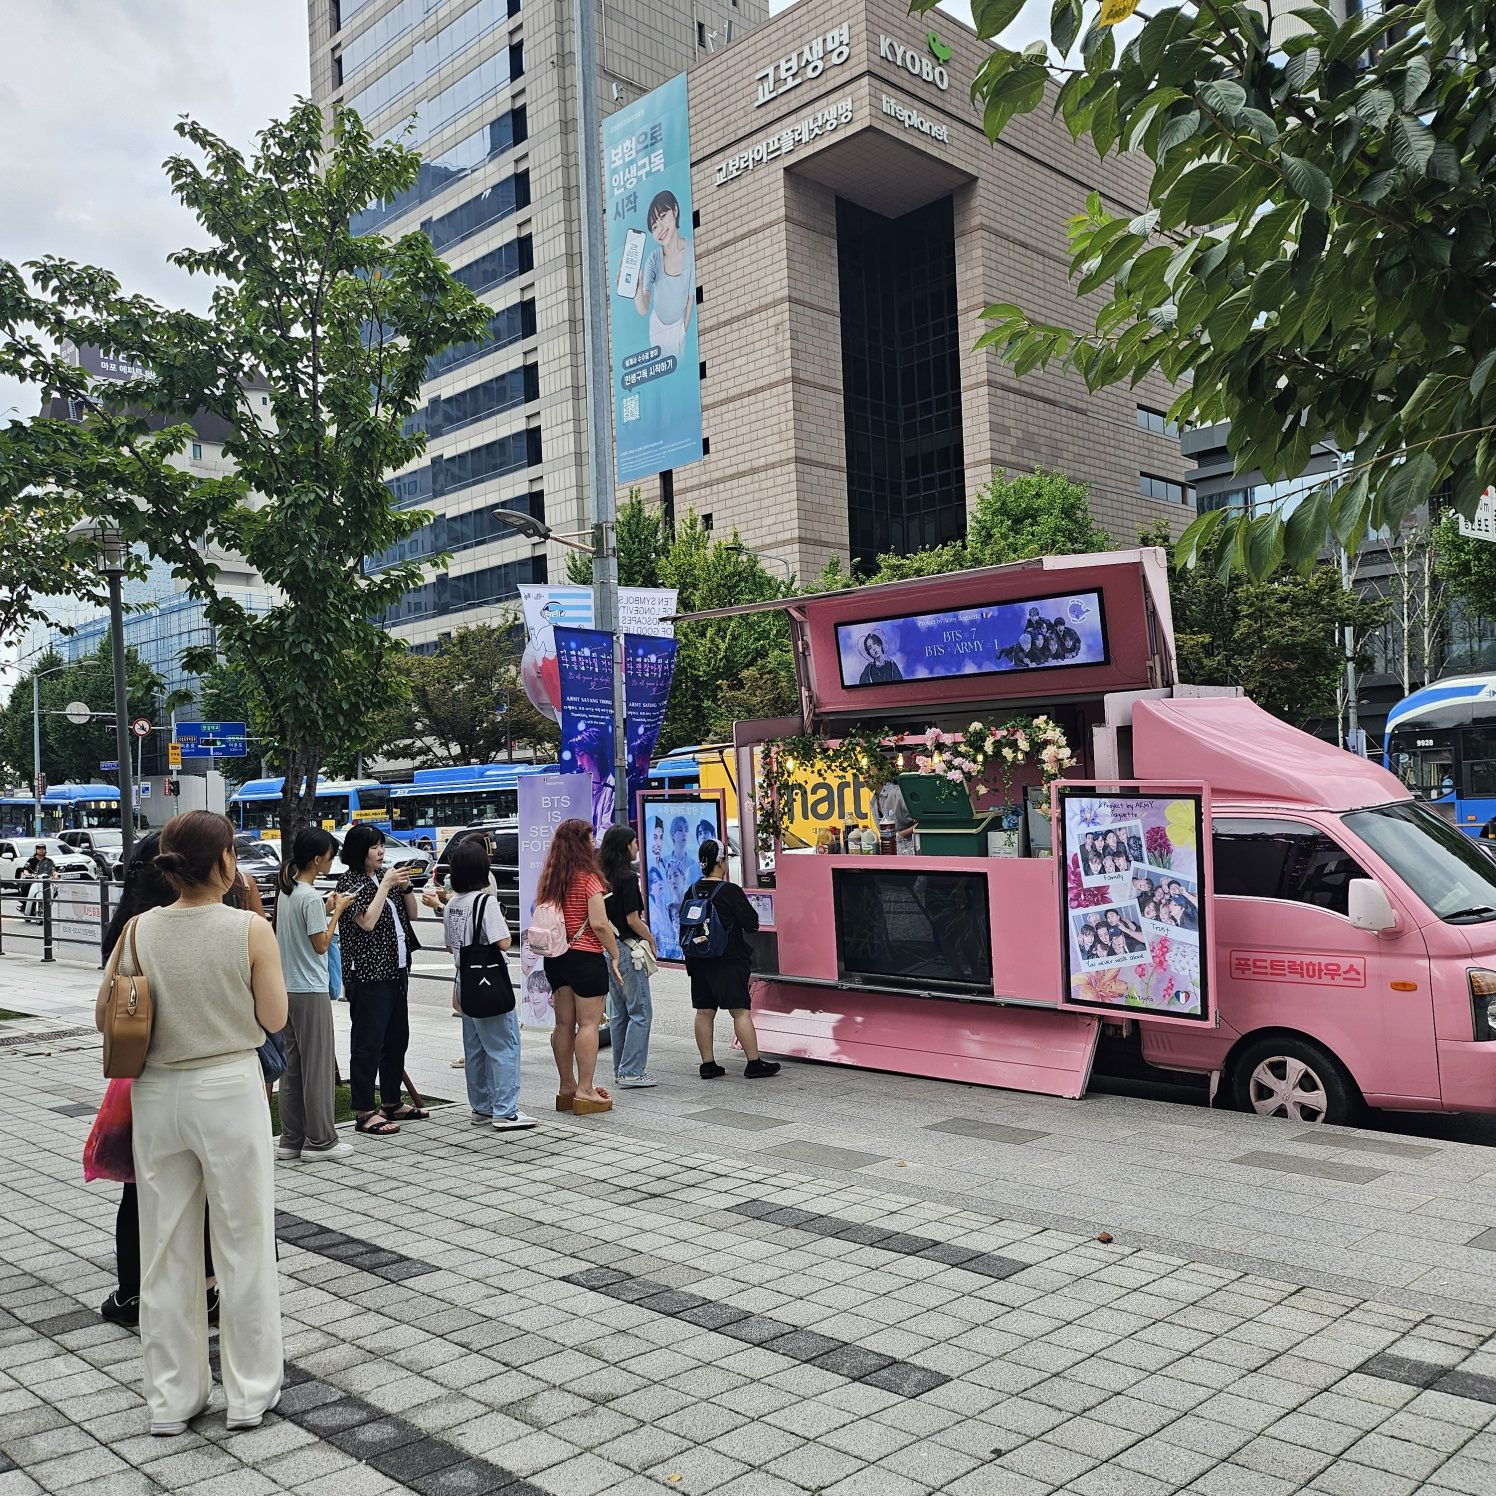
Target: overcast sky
x=88, y=99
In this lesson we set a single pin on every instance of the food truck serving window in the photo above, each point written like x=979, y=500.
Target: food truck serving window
x=1036, y=633
x=914, y=929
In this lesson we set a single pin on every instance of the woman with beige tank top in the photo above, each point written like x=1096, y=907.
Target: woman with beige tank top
x=202, y=1131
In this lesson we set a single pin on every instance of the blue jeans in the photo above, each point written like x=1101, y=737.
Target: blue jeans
x=491, y=1048
x=629, y=1014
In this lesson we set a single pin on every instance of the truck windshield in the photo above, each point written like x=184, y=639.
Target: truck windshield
x=1445, y=868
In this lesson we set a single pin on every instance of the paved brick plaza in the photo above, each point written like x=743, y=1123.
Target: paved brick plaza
x=605, y=1306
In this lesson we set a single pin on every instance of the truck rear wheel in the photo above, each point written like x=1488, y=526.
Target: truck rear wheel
x=1286, y=1076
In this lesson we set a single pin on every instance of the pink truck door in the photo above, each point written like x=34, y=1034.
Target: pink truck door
x=1288, y=958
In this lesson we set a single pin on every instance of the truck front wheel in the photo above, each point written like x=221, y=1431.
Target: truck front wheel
x=1286, y=1076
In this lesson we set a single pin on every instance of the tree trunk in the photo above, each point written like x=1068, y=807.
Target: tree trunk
x=299, y=792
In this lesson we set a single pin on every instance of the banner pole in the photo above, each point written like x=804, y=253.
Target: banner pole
x=599, y=381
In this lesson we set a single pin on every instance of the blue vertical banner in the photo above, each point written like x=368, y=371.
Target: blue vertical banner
x=652, y=284
x=584, y=658
x=648, y=670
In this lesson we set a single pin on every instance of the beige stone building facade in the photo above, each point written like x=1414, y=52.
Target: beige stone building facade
x=852, y=221
x=852, y=226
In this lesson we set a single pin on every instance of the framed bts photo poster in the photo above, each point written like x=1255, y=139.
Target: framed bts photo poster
x=1135, y=888
x=672, y=826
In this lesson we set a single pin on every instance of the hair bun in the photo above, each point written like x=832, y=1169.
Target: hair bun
x=171, y=862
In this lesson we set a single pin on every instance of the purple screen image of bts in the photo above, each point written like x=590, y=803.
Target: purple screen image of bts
x=879, y=670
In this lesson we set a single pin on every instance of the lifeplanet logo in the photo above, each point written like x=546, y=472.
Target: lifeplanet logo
x=910, y=60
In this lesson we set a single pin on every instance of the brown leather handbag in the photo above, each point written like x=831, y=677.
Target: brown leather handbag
x=128, y=1014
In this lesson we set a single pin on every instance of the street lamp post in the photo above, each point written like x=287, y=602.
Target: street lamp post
x=743, y=550
x=113, y=551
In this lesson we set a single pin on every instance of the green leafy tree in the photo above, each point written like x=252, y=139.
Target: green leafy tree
x=1467, y=565
x=466, y=702
x=44, y=554
x=1315, y=258
x=1280, y=639
x=314, y=354
x=73, y=753
x=1013, y=519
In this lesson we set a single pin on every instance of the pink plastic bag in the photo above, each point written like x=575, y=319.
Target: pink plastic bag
x=107, y=1154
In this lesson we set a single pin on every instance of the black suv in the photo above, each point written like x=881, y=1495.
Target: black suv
x=503, y=858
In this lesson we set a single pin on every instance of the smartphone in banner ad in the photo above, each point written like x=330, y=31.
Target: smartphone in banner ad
x=1134, y=909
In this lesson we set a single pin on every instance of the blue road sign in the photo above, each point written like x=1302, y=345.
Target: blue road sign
x=205, y=739
x=109, y=766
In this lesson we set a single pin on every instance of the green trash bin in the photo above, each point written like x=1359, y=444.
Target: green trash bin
x=947, y=825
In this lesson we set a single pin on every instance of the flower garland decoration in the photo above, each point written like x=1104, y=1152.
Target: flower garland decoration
x=861, y=751
x=985, y=749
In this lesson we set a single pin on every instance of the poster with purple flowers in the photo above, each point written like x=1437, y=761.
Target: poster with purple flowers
x=1134, y=894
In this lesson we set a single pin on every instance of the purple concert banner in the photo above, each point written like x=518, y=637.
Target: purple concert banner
x=585, y=661
x=648, y=670
x=1037, y=633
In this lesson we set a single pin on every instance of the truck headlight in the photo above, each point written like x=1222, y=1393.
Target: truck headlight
x=1483, y=1002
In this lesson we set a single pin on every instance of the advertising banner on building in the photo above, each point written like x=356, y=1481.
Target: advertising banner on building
x=545, y=800
x=585, y=660
x=648, y=670
x=643, y=610
x=652, y=284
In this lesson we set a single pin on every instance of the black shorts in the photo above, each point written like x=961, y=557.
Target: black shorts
x=585, y=972
x=719, y=984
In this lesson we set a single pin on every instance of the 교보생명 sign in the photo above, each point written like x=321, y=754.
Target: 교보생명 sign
x=804, y=64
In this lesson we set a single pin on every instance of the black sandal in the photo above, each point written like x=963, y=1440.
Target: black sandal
x=376, y=1126
x=406, y=1114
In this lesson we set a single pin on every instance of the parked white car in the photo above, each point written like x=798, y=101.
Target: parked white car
x=415, y=860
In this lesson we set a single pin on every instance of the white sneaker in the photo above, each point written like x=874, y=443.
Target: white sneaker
x=254, y=1420
x=318, y=1155
x=287, y=1155
x=457, y=1064
x=482, y=1119
x=636, y=1082
x=517, y=1123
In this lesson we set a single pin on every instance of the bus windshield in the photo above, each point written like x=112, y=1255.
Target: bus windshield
x=1451, y=873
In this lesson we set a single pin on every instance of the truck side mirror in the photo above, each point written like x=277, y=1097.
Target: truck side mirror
x=1368, y=906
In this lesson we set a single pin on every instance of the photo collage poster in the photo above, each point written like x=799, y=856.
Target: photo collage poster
x=1134, y=905
x=671, y=831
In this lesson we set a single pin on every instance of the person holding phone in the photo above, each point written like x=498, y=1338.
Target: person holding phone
x=667, y=286
x=379, y=940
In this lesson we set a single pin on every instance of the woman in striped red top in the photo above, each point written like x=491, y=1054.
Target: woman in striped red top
x=573, y=882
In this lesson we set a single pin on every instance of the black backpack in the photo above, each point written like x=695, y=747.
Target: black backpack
x=703, y=931
x=484, y=989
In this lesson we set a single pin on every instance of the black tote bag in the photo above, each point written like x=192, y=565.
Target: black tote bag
x=484, y=989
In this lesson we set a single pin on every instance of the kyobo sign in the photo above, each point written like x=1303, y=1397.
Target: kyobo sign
x=928, y=67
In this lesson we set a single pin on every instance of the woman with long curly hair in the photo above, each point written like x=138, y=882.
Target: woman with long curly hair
x=572, y=883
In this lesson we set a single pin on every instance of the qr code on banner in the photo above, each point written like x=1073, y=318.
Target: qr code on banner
x=630, y=408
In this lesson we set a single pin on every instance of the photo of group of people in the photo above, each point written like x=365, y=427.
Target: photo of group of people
x=1108, y=936
x=1133, y=902
x=673, y=831
x=1107, y=854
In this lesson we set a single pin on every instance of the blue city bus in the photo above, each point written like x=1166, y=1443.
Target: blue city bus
x=255, y=806
x=1441, y=742
x=440, y=800
x=79, y=807
x=17, y=815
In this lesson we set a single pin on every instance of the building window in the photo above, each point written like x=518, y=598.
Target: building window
x=506, y=391
x=1164, y=489
x=667, y=496
x=701, y=34
x=337, y=69
x=1157, y=422
x=498, y=265
x=197, y=451
x=701, y=371
x=497, y=202
x=335, y=16
x=901, y=342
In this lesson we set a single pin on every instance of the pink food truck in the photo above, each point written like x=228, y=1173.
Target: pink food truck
x=1068, y=836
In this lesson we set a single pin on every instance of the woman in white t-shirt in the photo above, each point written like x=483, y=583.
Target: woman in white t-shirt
x=491, y=1045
